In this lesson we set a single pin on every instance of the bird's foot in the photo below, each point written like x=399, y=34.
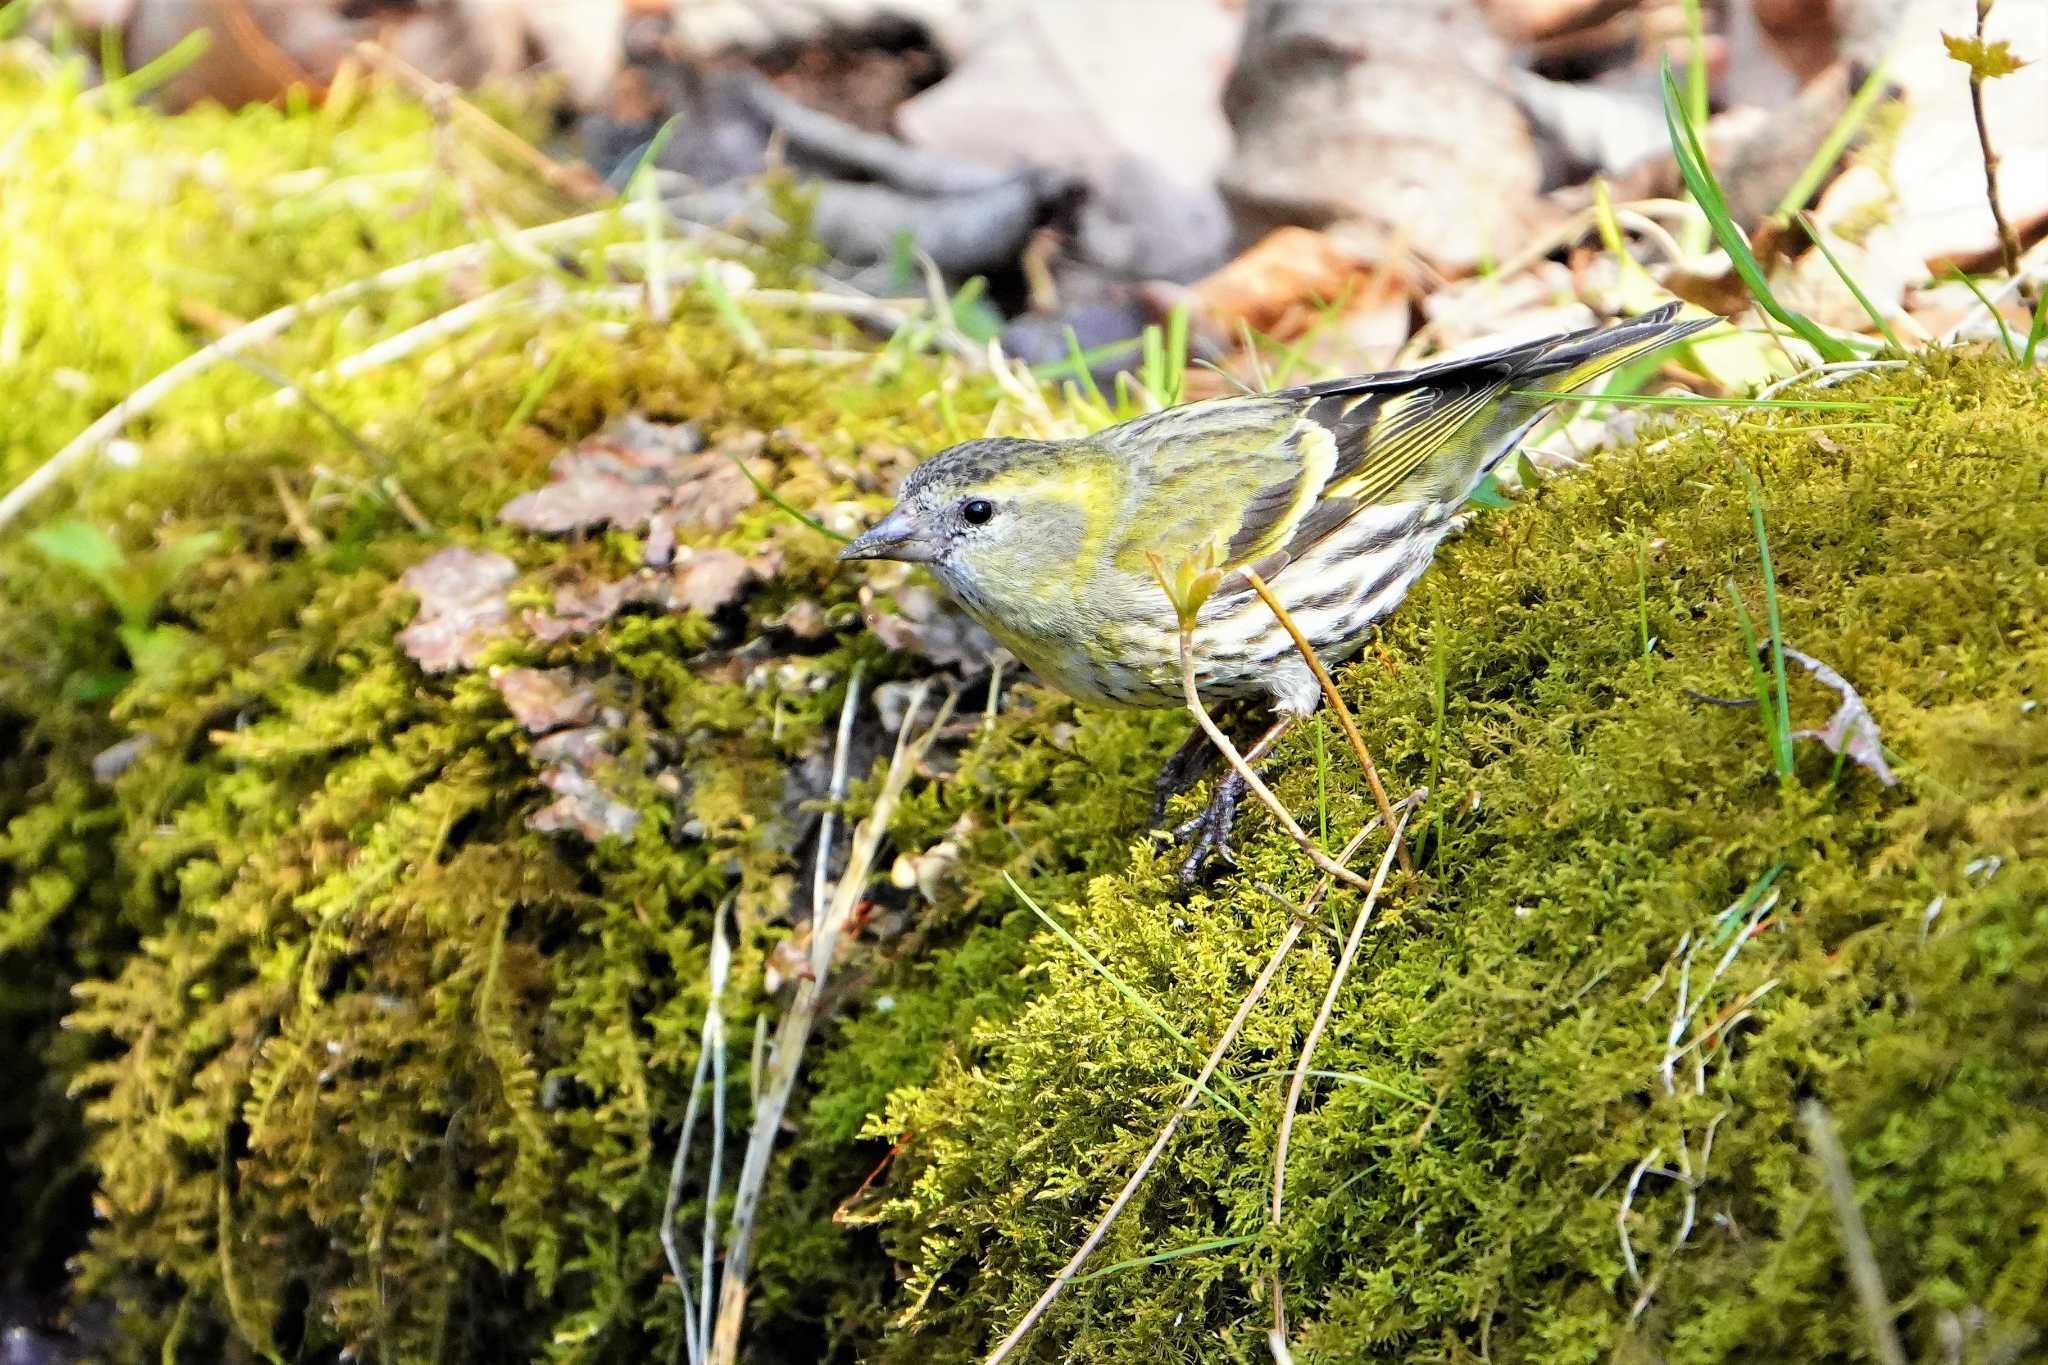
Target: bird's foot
x=1194, y=758
x=1208, y=834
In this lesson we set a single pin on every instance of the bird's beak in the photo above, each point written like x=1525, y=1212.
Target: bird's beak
x=896, y=536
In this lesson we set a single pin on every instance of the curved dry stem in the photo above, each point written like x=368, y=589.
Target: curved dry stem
x=1344, y=717
x=1315, y=1035
x=793, y=1033
x=263, y=329
x=1323, y=861
x=1196, y=1089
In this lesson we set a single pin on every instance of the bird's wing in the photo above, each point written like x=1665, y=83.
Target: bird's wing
x=1275, y=474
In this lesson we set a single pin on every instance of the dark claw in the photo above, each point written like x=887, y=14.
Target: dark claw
x=1183, y=770
x=1210, y=831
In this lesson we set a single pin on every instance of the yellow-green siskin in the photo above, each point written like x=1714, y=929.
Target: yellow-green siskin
x=1335, y=493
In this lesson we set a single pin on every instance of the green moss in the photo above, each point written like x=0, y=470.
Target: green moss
x=1588, y=815
x=368, y=1063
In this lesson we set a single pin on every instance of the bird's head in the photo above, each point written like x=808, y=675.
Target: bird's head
x=993, y=517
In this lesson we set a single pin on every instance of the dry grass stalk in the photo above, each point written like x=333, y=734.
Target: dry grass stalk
x=1181, y=1111
x=1333, y=871
x=696, y=1322
x=271, y=325
x=1323, y=861
x=576, y=180
x=1308, y=1049
x=1863, y=1271
x=2008, y=240
x=794, y=1031
x=1344, y=717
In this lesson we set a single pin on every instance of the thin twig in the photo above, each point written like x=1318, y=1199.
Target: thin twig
x=1315, y=1035
x=2008, y=240
x=1628, y=1199
x=575, y=179
x=835, y=796
x=1863, y=1271
x=711, y=1041
x=714, y=1031
x=1315, y=663
x=412, y=340
x=252, y=334
x=794, y=1031
x=1196, y=1088
x=1230, y=753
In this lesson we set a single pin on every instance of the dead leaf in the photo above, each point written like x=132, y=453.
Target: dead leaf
x=582, y=607
x=640, y=474
x=925, y=624
x=583, y=747
x=582, y=807
x=709, y=579
x=1851, y=731
x=544, y=699
x=1286, y=277
x=462, y=607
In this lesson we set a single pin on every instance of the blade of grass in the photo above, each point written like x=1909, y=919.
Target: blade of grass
x=644, y=191
x=1192, y=1249
x=1488, y=495
x=1643, y=601
x=1706, y=191
x=1054, y=370
x=1327, y=315
x=1830, y=149
x=545, y=380
x=1696, y=104
x=1348, y=1077
x=1174, y=382
x=1758, y=681
x=1763, y=547
x=2004, y=333
x=728, y=309
x=120, y=91
x=1687, y=400
x=1322, y=789
x=1225, y=1105
x=2035, y=334
x=1082, y=374
x=1813, y=235
x=765, y=491
x=1144, y=1006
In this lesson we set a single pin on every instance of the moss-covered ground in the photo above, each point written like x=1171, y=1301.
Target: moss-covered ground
x=324, y=1048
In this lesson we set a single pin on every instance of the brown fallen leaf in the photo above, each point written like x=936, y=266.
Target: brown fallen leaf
x=582, y=807
x=461, y=607
x=544, y=699
x=1851, y=731
x=699, y=580
x=925, y=624
x=639, y=474
x=706, y=580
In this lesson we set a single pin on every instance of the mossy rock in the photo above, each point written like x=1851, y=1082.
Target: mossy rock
x=1506, y=1093
x=369, y=1064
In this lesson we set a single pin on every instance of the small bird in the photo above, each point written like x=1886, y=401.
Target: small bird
x=1336, y=493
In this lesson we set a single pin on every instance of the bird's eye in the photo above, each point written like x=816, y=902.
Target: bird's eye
x=977, y=511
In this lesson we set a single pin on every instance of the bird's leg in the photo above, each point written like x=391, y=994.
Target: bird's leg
x=1211, y=829
x=1192, y=759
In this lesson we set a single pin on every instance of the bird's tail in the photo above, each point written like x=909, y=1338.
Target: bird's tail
x=1566, y=362
x=1435, y=432
x=1557, y=364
